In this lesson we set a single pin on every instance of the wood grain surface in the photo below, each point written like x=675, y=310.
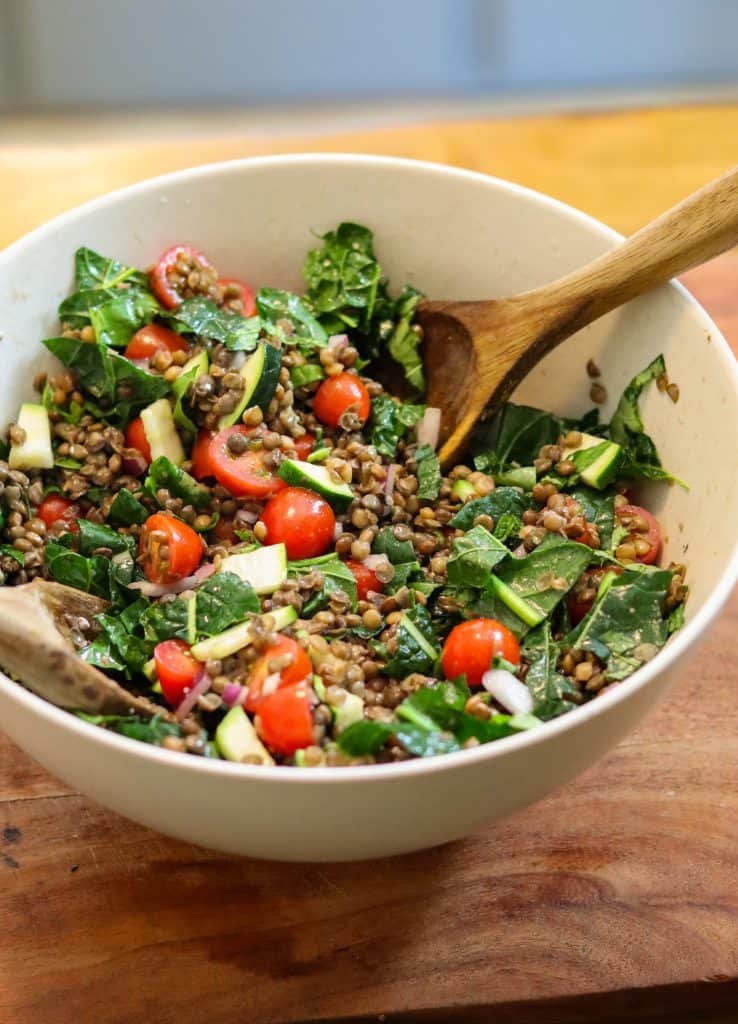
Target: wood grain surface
x=616, y=899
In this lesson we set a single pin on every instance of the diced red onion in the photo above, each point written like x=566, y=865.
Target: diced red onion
x=237, y=360
x=149, y=589
x=133, y=463
x=198, y=689
x=232, y=694
x=389, y=480
x=271, y=683
x=429, y=427
x=337, y=341
x=508, y=690
x=141, y=364
x=337, y=530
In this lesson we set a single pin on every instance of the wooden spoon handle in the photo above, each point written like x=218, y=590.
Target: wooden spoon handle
x=702, y=226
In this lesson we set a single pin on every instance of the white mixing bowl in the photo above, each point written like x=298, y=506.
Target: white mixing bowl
x=453, y=234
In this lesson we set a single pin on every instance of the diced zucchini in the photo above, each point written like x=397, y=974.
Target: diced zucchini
x=35, y=451
x=264, y=568
x=463, y=490
x=161, y=432
x=521, y=476
x=319, y=455
x=231, y=640
x=518, y=605
x=236, y=738
x=352, y=710
x=597, y=460
x=260, y=374
x=318, y=479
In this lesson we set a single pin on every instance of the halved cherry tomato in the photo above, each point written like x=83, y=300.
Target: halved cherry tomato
x=632, y=516
x=336, y=395
x=54, y=509
x=168, y=549
x=238, y=296
x=176, y=670
x=154, y=338
x=300, y=670
x=163, y=275
x=301, y=520
x=471, y=646
x=366, y=580
x=582, y=595
x=202, y=465
x=136, y=438
x=244, y=473
x=304, y=445
x=285, y=719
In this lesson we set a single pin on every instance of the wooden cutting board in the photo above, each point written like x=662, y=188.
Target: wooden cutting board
x=616, y=899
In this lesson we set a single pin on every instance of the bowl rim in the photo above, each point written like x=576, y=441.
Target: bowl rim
x=352, y=774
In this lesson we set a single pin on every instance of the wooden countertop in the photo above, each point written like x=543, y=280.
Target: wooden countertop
x=614, y=899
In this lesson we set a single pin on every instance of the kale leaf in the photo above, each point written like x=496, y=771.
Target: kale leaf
x=152, y=730
x=116, y=320
x=274, y=306
x=404, y=341
x=203, y=317
x=126, y=510
x=503, y=501
x=336, y=577
x=343, y=278
x=390, y=421
x=428, y=473
x=473, y=557
x=548, y=687
x=164, y=474
x=417, y=650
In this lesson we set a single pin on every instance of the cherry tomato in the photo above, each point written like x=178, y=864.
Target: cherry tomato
x=582, y=595
x=163, y=276
x=176, y=670
x=471, y=646
x=244, y=473
x=629, y=516
x=285, y=719
x=238, y=296
x=366, y=580
x=136, y=438
x=54, y=509
x=304, y=445
x=168, y=549
x=154, y=338
x=301, y=520
x=300, y=670
x=337, y=395
x=202, y=466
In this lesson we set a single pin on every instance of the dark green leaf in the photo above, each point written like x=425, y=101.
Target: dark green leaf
x=74, y=570
x=153, y=730
x=343, y=276
x=102, y=655
x=417, y=650
x=308, y=373
x=7, y=551
x=507, y=526
x=203, y=317
x=549, y=688
x=164, y=474
x=126, y=648
x=92, y=536
x=126, y=510
x=116, y=320
x=626, y=614
x=404, y=341
x=503, y=501
x=473, y=557
x=95, y=271
x=428, y=473
x=221, y=601
x=397, y=551
x=275, y=306
x=364, y=737
x=336, y=577
x=390, y=421
x=543, y=577
x=598, y=508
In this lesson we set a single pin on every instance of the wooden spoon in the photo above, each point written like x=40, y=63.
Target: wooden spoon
x=476, y=353
x=35, y=647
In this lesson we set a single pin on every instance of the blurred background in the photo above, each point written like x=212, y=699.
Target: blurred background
x=94, y=68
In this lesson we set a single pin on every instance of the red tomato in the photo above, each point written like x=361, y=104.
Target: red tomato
x=202, y=467
x=162, y=275
x=366, y=580
x=154, y=338
x=168, y=549
x=337, y=395
x=136, y=438
x=304, y=445
x=582, y=595
x=301, y=520
x=239, y=291
x=652, y=534
x=300, y=670
x=471, y=646
x=285, y=719
x=245, y=474
x=54, y=509
x=176, y=670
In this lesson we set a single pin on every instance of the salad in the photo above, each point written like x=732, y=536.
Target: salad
x=283, y=567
